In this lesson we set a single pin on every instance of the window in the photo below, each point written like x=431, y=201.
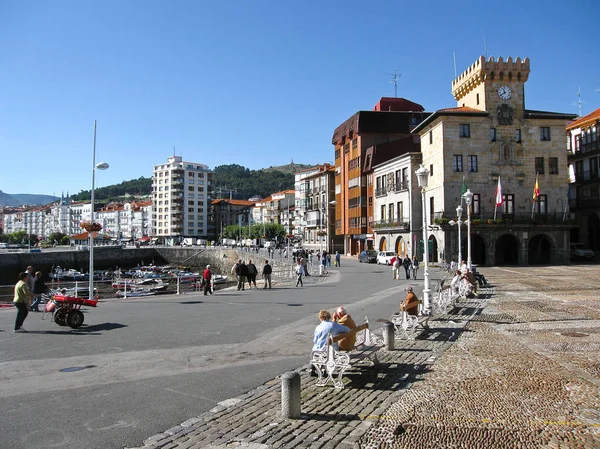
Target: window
x=476, y=204
x=457, y=164
x=391, y=210
x=431, y=213
x=540, y=204
x=464, y=130
x=508, y=207
x=430, y=169
x=337, y=154
x=492, y=134
x=593, y=167
x=518, y=135
x=544, y=133
x=472, y=163
x=400, y=211
x=578, y=170
x=430, y=137
x=477, y=98
x=354, y=143
x=383, y=213
x=539, y=165
x=553, y=166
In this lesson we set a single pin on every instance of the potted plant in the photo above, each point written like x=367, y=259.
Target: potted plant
x=90, y=226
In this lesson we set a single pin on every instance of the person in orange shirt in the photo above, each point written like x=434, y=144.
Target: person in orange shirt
x=342, y=317
x=411, y=303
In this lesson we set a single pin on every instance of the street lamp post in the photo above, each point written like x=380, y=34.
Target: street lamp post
x=459, y=223
x=468, y=199
x=422, y=177
x=99, y=166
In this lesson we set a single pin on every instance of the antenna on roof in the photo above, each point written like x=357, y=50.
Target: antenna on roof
x=173, y=150
x=579, y=102
x=395, y=80
x=454, y=56
x=484, y=45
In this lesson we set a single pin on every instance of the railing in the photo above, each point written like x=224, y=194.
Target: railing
x=400, y=223
x=380, y=191
x=487, y=218
x=400, y=186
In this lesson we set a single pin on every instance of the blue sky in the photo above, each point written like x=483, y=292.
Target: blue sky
x=256, y=83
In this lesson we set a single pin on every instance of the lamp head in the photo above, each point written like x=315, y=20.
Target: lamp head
x=459, y=211
x=101, y=166
x=468, y=197
x=422, y=175
x=451, y=222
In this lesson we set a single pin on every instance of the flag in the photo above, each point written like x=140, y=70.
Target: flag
x=499, y=197
x=536, y=189
x=464, y=187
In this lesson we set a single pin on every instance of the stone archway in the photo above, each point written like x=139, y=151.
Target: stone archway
x=593, y=226
x=400, y=246
x=383, y=244
x=507, y=250
x=433, y=249
x=477, y=250
x=539, y=251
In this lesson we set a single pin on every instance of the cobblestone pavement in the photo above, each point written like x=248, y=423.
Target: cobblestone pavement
x=518, y=367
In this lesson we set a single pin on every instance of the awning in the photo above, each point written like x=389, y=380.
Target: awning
x=144, y=239
x=370, y=237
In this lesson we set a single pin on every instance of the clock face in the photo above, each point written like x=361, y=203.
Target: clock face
x=504, y=92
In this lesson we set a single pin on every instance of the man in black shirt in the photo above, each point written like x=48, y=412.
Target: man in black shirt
x=266, y=273
x=242, y=272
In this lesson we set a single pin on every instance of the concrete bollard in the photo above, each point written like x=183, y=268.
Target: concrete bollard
x=290, y=395
x=388, y=336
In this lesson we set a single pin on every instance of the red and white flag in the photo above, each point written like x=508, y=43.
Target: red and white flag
x=499, y=197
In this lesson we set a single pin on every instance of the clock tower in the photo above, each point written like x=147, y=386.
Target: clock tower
x=497, y=87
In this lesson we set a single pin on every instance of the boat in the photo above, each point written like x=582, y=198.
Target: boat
x=136, y=292
x=78, y=292
x=219, y=278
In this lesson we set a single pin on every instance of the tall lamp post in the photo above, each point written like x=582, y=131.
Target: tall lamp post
x=422, y=177
x=459, y=211
x=468, y=199
x=99, y=166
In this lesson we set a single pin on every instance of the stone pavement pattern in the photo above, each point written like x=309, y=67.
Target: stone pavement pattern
x=518, y=368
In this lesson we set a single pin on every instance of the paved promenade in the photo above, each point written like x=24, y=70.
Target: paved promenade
x=518, y=367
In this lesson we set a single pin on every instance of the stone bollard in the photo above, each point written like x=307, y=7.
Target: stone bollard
x=290, y=395
x=388, y=336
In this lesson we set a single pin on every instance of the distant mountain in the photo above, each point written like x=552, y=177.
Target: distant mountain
x=20, y=199
x=288, y=168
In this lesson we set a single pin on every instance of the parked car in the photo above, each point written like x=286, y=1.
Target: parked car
x=578, y=251
x=385, y=257
x=368, y=256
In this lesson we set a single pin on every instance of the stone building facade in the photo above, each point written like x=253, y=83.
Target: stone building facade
x=491, y=138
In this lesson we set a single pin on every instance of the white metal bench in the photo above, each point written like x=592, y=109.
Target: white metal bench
x=331, y=363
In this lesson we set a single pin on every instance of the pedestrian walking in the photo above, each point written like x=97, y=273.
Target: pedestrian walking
x=337, y=259
x=299, y=273
x=415, y=267
x=407, y=264
x=266, y=273
x=39, y=288
x=206, y=280
x=252, y=272
x=22, y=299
x=242, y=272
x=396, y=267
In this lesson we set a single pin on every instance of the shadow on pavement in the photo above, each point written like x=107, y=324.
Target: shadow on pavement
x=100, y=327
x=338, y=417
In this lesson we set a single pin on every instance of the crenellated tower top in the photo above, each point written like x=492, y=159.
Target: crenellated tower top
x=508, y=70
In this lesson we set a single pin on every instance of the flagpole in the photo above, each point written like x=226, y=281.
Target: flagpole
x=534, y=195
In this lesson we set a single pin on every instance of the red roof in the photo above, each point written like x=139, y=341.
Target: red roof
x=585, y=120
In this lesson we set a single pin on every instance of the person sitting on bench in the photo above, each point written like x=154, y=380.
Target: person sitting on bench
x=342, y=317
x=411, y=303
x=322, y=333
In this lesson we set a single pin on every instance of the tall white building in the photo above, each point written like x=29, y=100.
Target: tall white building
x=181, y=195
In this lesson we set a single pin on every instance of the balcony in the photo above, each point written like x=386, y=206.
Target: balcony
x=401, y=186
x=380, y=191
x=401, y=224
x=523, y=219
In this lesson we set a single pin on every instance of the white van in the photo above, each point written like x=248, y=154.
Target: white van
x=3, y=245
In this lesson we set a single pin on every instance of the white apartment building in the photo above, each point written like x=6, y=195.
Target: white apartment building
x=397, y=224
x=181, y=195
